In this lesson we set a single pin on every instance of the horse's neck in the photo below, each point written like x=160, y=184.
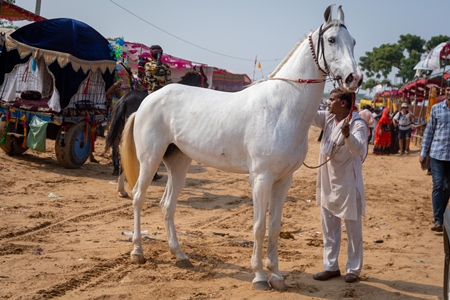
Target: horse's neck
x=304, y=98
x=300, y=65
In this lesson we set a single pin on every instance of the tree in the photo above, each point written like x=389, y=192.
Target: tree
x=436, y=40
x=380, y=61
x=403, y=55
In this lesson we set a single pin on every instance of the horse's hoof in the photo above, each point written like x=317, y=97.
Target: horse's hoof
x=261, y=285
x=185, y=263
x=278, y=285
x=138, y=259
x=123, y=194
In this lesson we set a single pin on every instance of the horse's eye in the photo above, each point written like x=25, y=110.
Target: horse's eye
x=332, y=40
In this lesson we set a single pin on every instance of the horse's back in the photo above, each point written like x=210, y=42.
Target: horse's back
x=219, y=129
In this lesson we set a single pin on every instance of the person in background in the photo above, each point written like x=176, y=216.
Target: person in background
x=382, y=141
x=404, y=120
x=436, y=142
x=340, y=187
x=157, y=73
x=113, y=94
x=366, y=114
x=376, y=117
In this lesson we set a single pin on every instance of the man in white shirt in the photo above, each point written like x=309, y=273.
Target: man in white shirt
x=340, y=188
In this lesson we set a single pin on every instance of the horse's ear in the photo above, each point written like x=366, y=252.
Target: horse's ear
x=328, y=13
x=195, y=68
x=340, y=13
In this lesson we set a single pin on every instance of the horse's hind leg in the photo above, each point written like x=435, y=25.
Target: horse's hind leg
x=139, y=192
x=278, y=196
x=121, y=185
x=177, y=164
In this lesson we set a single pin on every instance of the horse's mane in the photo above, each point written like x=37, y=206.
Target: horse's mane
x=283, y=62
x=189, y=75
x=194, y=78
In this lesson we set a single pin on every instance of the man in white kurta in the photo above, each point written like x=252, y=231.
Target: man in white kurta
x=340, y=188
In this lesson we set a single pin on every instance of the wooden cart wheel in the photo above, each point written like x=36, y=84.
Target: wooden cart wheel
x=16, y=147
x=73, y=152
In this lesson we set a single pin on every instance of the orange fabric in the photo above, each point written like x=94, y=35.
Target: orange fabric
x=382, y=141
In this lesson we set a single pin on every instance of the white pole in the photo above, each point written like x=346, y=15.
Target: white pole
x=38, y=7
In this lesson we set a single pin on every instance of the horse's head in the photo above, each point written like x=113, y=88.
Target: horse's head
x=333, y=51
x=197, y=78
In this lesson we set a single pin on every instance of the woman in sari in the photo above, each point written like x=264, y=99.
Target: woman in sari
x=382, y=141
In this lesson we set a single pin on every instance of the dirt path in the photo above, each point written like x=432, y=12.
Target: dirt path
x=60, y=234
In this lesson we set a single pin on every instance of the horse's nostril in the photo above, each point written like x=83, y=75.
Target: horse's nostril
x=350, y=79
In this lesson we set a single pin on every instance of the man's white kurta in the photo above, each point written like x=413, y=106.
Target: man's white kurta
x=340, y=181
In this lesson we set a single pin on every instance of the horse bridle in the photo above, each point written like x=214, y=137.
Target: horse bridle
x=202, y=84
x=321, y=49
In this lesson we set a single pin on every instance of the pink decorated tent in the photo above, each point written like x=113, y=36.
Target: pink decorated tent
x=217, y=78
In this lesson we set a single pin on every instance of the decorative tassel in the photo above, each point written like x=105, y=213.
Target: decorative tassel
x=86, y=88
x=33, y=64
x=24, y=119
x=3, y=140
x=25, y=75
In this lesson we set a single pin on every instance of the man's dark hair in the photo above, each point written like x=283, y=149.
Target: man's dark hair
x=347, y=96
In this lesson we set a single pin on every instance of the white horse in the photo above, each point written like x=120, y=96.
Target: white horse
x=261, y=131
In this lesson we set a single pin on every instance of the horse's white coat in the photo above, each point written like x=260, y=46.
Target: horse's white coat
x=261, y=131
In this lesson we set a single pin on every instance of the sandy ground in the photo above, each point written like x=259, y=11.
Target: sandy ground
x=60, y=234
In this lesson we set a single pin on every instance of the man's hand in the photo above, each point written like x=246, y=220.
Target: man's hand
x=422, y=160
x=345, y=129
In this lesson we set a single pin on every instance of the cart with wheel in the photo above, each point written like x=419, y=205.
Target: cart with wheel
x=55, y=71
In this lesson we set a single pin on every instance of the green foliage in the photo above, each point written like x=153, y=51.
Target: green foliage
x=381, y=60
x=411, y=43
x=369, y=84
x=404, y=55
x=436, y=40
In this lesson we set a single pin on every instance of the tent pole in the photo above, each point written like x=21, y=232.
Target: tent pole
x=38, y=7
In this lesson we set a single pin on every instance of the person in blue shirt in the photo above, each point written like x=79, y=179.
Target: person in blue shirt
x=436, y=143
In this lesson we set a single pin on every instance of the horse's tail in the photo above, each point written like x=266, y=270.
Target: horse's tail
x=128, y=157
x=117, y=123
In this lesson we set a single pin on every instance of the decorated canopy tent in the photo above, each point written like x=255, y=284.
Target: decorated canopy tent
x=63, y=59
x=419, y=89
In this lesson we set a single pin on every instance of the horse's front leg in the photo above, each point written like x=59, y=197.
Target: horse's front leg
x=121, y=185
x=279, y=192
x=261, y=189
x=144, y=180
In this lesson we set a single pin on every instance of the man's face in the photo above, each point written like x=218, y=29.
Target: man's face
x=447, y=92
x=155, y=52
x=334, y=103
